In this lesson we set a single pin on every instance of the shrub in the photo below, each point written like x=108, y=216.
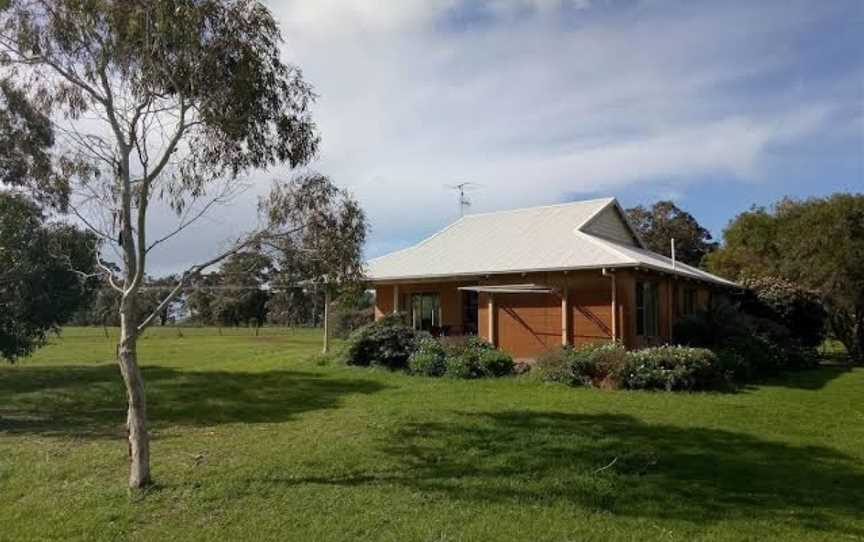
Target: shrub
x=596, y=363
x=428, y=358
x=387, y=342
x=472, y=357
x=456, y=346
x=751, y=345
x=463, y=355
x=462, y=366
x=554, y=366
x=710, y=327
x=671, y=368
x=346, y=320
x=591, y=364
x=786, y=303
x=495, y=363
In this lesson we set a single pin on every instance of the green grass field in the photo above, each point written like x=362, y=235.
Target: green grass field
x=253, y=441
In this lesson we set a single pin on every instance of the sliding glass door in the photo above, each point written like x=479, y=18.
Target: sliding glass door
x=425, y=311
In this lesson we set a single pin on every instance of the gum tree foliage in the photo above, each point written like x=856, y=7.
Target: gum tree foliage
x=240, y=298
x=39, y=287
x=200, y=298
x=164, y=103
x=664, y=221
x=26, y=139
x=322, y=259
x=816, y=243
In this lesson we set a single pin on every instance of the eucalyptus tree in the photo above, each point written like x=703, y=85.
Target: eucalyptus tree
x=816, y=243
x=26, y=139
x=325, y=255
x=43, y=274
x=664, y=221
x=159, y=102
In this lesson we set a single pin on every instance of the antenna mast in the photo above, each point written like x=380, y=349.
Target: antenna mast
x=464, y=202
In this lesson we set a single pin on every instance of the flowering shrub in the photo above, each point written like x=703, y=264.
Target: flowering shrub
x=610, y=365
x=428, y=358
x=589, y=365
x=671, y=368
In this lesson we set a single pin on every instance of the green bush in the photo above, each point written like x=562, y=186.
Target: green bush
x=554, y=366
x=798, y=310
x=387, y=342
x=588, y=365
x=346, y=320
x=428, y=358
x=610, y=365
x=671, y=368
x=751, y=345
x=494, y=363
x=456, y=346
x=472, y=357
x=463, y=355
x=462, y=366
x=596, y=363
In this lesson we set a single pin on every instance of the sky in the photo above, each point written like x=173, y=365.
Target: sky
x=715, y=105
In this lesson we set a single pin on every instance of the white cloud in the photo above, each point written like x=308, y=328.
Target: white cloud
x=531, y=105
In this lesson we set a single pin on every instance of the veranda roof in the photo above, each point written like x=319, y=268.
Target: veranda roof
x=510, y=289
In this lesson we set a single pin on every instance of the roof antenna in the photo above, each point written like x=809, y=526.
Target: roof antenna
x=464, y=202
x=673, y=253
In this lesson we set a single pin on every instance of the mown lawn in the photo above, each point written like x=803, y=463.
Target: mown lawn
x=253, y=441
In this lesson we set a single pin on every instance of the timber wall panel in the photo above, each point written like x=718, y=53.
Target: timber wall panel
x=528, y=324
x=383, y=301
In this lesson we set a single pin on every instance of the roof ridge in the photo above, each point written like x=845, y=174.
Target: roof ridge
x=550, y=205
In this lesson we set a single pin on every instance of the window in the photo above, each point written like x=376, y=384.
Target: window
x=689, y=301
x=647, y=309
x=425, y=311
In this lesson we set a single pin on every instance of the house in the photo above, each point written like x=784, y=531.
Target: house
x=533, y=279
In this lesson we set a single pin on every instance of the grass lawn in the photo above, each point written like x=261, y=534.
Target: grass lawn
x=253, y=441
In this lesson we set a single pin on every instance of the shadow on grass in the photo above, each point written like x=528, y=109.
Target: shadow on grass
x=89, y=401
x=624, y=466
x=810, y=379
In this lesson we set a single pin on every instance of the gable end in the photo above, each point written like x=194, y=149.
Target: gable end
x=610, y=224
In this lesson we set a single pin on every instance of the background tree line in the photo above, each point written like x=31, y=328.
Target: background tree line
x=250, y=289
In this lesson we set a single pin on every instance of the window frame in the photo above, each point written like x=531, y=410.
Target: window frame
x=647, y=299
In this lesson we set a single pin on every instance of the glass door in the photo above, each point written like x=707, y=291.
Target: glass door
x=425, y=311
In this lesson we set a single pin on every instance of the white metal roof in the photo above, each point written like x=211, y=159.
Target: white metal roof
x=545, y=238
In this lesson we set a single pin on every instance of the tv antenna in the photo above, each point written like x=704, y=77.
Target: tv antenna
x=462, y=188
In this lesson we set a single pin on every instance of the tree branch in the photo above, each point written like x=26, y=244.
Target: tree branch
x=192, y=272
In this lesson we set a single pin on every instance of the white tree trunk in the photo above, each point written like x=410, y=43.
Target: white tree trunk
x=326, y=348
x=136, y=418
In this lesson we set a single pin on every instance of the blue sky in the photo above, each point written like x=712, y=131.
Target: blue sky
x=716, y=105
